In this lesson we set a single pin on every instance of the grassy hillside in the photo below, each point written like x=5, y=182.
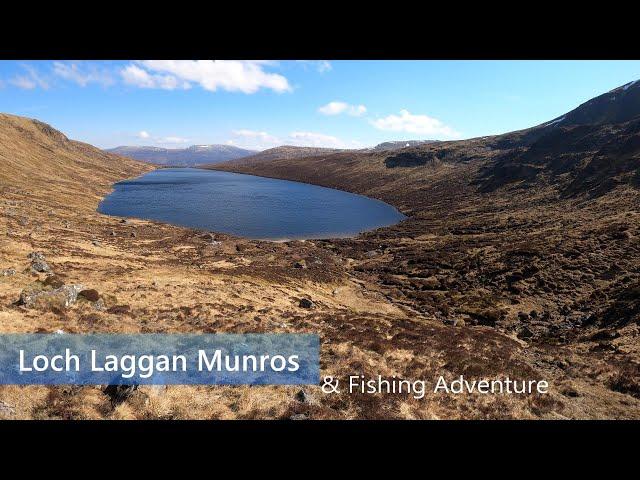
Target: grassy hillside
x=42, y=161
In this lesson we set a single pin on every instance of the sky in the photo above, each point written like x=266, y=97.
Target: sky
x=324, y=103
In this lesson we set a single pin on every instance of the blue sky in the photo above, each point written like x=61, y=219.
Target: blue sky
x=345, y=104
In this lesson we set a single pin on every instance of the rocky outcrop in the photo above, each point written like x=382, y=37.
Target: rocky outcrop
x=63, y=297
x=38, y=262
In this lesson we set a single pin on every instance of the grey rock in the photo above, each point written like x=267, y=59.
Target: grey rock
x=36, y=256
x=300, y=264
x=99, y=305
x=38, y=262
x=6, y=409
x=299, y=416
x=66, y=296
x=7, y=272
x=303, y=397
x=40, y=266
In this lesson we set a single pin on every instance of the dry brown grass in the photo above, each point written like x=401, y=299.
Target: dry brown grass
x=169, y=279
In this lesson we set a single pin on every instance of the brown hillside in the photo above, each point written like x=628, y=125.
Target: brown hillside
x=40, y=161
x=519, y=281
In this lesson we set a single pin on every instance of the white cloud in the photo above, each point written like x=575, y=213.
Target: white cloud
x=261, y=140
x=262, y=136
x=82, y=74
x=172, y=140
x=255, y=139
x=30, y=80
x=336, y=108
x=136, y=76
x=230, y=75
x=417, y=124
x=167, y=141
x=313, y=139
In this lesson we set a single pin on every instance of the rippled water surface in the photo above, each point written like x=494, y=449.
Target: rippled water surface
x=247, y=206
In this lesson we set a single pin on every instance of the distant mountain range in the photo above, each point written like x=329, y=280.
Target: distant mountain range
x=198, y=155
x=183, y=157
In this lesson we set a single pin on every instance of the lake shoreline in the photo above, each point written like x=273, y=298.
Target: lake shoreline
x=247, y=206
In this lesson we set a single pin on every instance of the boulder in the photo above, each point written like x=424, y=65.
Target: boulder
x=40, y=266
x=299, y=416
x=306, y=303
x=7, y=272
x=38, y=262
x=64, y=296
x=99, y=305
x=6, y=409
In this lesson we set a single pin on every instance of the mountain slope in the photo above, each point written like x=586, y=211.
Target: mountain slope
x=398, y=144
x=39, y=159
x=589, y=150
x=543, y=219
x=286, y=152
x=616, y=106
x=516, y=283
x=184, y=157
x=568, y=154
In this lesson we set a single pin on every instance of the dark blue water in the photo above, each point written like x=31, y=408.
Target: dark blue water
x=246, y=206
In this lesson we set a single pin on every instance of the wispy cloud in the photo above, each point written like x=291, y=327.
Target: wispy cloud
x=336, y=108
x=313, y=139
x=148, y=138
x=212, y=75
x=261, y=140
x=83, y=73
x=31, y=79
x=324, y=66
x=321, y=66
x=172, y=140
x=256, y=139
x=416, y=124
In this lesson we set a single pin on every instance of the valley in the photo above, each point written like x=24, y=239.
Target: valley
x=520, y=259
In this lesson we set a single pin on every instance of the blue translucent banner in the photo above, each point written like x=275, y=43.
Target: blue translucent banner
x=159, y=359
